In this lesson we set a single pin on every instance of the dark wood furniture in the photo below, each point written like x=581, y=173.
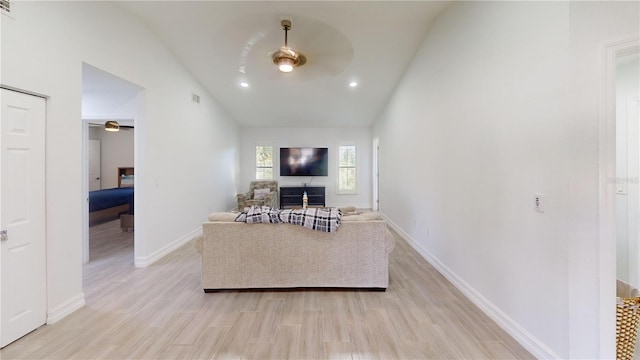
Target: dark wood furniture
x=126, y=220
x=291, y=196
x=124, y=171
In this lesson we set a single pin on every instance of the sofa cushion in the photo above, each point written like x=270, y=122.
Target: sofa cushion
x=222, y=216
x=373, y=215
x=347, y=209
x=363, y=217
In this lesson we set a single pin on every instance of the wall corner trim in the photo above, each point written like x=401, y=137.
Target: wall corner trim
x=59, y=312
x=144, y=261
x=528, y=341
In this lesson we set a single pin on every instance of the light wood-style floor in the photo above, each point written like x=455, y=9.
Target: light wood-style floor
x=160, y=312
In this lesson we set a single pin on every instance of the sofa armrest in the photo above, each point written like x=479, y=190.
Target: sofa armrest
x=389, y=242
x=271, y=199
x=242, y=200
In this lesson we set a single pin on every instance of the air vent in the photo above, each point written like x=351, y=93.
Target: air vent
x=195, y=98
x=5, y=5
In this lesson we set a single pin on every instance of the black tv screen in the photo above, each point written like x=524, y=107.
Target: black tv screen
x=304, y=162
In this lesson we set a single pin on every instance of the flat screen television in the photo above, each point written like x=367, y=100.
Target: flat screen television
x=304, y=161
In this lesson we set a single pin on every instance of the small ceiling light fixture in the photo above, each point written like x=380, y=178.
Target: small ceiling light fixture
x=286, y=58
x=244, y=84
x=353, y=84
x=112, y=125
x=285, y=64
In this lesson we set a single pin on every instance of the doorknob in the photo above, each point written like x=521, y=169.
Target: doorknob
x=4, y=236
x=97, y=178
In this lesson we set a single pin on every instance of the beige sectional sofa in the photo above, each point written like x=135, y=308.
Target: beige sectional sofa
x=245, y=256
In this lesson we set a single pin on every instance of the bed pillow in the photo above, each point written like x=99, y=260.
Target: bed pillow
x=259, y=194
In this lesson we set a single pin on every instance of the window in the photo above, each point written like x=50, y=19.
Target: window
x=264, y=162
x=347, y=169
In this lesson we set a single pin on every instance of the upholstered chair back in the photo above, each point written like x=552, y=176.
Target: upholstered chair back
x=272, y=199
x=272, y=185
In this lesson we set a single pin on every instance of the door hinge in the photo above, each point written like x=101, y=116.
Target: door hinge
x=4, y=236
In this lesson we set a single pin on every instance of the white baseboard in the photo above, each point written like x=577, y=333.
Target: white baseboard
x=59, y=312
x=144, y=261
x=522, y=336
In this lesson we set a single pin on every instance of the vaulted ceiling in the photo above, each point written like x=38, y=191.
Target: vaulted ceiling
x=225, y=43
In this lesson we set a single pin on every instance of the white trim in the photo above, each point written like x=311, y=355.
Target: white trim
x=85, y=191
x=376, y=178
x=144, y=261
x=7, y=87
x=528, y=341
x=632, y=223
x=606, y=194
x=59, y=312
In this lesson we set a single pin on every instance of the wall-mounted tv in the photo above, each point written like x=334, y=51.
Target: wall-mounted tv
x=304, y=161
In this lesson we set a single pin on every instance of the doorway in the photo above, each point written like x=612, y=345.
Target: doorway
x=628, y=169
x=109, y=165
x=608, y=189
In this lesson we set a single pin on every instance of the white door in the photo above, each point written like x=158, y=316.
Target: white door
x=23, y=302
x=633, y=189
x=94, y=165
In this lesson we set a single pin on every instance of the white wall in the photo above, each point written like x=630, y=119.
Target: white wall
x=108, y=104
x=116, y=150
x=627, y=195
x=312, y=137
x=186, y=154
x=499, y=104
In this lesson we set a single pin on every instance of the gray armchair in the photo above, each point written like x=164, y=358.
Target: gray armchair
x=268, y=199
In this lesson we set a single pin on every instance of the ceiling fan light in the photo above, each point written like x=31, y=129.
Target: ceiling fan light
x=285, y=64
x=111, y=126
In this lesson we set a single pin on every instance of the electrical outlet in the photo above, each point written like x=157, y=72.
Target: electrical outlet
x=538, y=203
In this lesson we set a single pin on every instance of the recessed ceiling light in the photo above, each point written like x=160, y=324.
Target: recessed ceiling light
x=244, y=84
x=353, y=84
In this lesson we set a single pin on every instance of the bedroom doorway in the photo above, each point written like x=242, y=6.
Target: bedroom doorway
x=628, y=169
x=609, y=190
x=109, y=163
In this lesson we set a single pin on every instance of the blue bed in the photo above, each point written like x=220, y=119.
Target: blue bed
x=109, y=204
x=108, y=198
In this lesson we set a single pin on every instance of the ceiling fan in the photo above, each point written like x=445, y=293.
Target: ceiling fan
x=111, y=125
x=286, y=58
x=327, y=52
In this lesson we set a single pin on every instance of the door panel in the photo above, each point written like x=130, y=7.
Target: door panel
x=22, y=214
x=94, y=165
